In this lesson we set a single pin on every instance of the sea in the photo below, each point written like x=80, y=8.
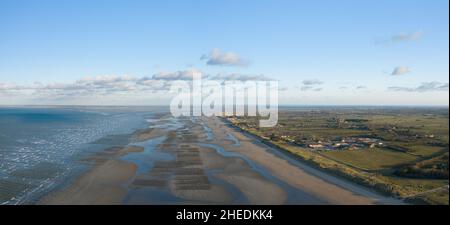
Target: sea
x=40, y=147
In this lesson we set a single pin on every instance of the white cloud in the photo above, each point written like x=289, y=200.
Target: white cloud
x=9, y=87
x=240, y=77
x=312, y=82
x=401, y=37
x=310, y=88
x=177, y=75
x=407, y=37
x=99, y=85
x=218, y=58
x=110, y=87
x=400, y=70
x=424, y=87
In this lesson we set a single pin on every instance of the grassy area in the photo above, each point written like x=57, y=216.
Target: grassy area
x=407, y=155
x=423, y=150
x=405, y=188
x=414, y=187
x=433, y=168
x=370, y=159
x=436, y=198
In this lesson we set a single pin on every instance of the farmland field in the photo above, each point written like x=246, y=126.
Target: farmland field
x=404, y=148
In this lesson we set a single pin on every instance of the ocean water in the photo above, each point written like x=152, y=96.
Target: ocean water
x=39, y=146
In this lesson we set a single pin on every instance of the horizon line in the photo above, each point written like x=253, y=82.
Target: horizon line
x=281, y=105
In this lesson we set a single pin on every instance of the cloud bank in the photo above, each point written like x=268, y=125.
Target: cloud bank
x=240, y=77
x=424, y=87
x=111, y=85
x=177, y=75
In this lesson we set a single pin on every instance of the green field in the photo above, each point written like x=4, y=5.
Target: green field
x=371, y=159
x=411, y=162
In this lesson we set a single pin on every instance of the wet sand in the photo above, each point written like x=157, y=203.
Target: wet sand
x=237, y=172
x=103, y=184
x=331, y=189
x=203, y=161
x=148, y=133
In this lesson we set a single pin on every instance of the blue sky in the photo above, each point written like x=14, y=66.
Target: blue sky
x=350, y=47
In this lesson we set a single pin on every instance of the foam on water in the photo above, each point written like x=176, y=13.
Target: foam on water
x=38, y=146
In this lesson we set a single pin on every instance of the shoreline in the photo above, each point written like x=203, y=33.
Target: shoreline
x=313, y=179
x=87, y=188
x=198, y=163
x=316, y=165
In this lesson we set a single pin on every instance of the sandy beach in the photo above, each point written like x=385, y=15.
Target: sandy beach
x=329, y=188
x=203, y=161
x=103, y=184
